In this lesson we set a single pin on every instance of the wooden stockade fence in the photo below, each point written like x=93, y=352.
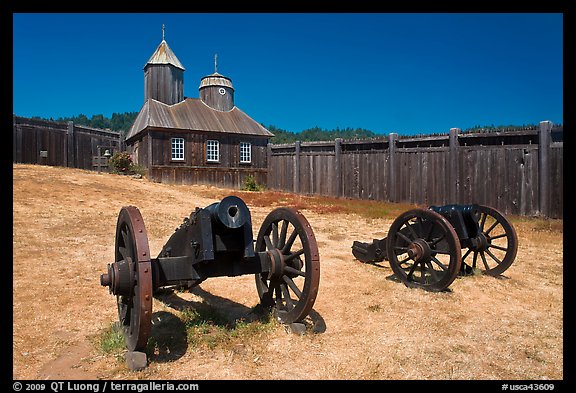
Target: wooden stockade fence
x=46, y=142
x=516, y=172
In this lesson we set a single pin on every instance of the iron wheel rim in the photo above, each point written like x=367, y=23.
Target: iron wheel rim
x=293, y=292
x=134, y=310
x=499, y=244
x=424, y=250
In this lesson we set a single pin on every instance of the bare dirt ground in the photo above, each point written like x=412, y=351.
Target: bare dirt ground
x=370, y=327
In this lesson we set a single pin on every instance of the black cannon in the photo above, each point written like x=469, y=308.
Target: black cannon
x=424, y=246
x=212, y=242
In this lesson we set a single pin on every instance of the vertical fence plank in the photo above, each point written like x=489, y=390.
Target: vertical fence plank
x=338, y=166
x=453, y=168
x=18, y=153
x=268, y=165
x=297, y=167
x=544, y=167
x=392, y=179
x=70, y=156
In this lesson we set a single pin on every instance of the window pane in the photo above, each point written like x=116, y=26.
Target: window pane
x=212, y=150
x=245, y=152
x=178, y=149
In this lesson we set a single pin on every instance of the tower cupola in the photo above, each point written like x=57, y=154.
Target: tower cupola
x=164, y=75
x=216, y=90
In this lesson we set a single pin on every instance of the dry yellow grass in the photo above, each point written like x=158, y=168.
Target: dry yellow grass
x=484, y=328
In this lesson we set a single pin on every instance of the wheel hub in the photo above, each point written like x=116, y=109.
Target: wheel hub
x=120, y=277
x=419, y=250
x=276, y=264
x=480, y=242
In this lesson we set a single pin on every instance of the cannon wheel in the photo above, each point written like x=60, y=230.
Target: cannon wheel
x=292, y=284
x=424, y=250
x=134, y=310
x=496, y=244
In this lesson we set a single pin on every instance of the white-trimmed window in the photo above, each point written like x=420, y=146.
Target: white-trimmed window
x=177, y=149
x=245, y=152
x=212, y=151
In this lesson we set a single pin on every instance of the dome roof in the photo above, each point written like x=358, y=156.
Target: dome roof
x=216, y=79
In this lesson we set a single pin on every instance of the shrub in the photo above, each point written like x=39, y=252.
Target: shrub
x=120, y=162
x=250, y=184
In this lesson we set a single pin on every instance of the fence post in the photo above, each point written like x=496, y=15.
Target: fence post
x=453, y=174
x=296, y=167
x=268, y=161
x=391, y=166
x=17, y=141
x=70, y=158
x=338, y=164
x=544, y=136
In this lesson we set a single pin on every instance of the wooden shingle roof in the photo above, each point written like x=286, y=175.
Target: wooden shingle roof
x=193, y=114
x=164, y=55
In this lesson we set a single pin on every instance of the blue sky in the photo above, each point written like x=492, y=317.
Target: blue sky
x=387, y=72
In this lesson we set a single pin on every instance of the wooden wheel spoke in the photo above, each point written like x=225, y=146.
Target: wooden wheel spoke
x=404, y=237
x=404, y=260
x=411, y=272
x=123, y=308
x=497, y=247
x=267, y=292
x=442, y=266
x=294, y=255
x=286, y=294
x=484, y=261
x=268, y=242
x=292, y=286
x=412, y=231
x=278, y=294
x=275, y=234
x=483, y=221
x=432, y=271
x=498, y=236
x=498, y=261
x=290, y=269
x=264, y=282
x=422, y=273
x=124, y=234
x=290, y=241
x=491, y=228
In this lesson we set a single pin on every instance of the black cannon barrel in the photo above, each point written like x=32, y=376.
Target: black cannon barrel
x=448, y=210
x=231, y=212
x=464, y=219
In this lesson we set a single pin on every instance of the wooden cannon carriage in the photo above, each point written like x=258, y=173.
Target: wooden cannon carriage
x=214, y=241
x=424, y=246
